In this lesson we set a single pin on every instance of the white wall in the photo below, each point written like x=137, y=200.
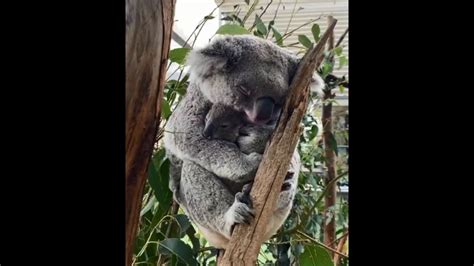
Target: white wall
x=188, y=15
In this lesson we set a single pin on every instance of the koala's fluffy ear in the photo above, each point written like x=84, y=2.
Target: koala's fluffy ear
x=218, y=56
x=317, y=85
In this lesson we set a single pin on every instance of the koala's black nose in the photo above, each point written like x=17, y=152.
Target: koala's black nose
x=208, y=131
x=264, y=109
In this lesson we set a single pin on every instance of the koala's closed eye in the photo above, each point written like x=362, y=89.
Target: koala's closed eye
x=243, y=90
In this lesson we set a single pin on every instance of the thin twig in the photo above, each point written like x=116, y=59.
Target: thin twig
x=342, y=37
x=291, y=18
x=330, y=183
x=276, y=11
x=251, y=10
x=204, y=249
x=306, y=214
x=203, y=21
x=321, y=244
x=339, y=238
x=288, y=34
x=260, y=17
x=274, y=17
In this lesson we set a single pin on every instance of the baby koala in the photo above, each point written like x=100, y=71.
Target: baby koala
x=223, y=122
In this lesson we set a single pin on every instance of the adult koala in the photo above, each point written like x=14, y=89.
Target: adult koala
x=208, y=176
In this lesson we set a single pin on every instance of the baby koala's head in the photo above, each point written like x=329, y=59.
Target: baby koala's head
x=223, y=122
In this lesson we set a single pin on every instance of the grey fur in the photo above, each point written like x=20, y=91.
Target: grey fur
x=208, y=175
x=249, y=138
x=184, y=139
x=229, y=63
x=223, y=122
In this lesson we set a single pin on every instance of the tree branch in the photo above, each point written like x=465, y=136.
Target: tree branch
x=343, y=235
x=246, y=240
x=148, y=36
x=340, y=246
x=314, y=241
x=342, y=37
x=260, y=16
x=330, y=155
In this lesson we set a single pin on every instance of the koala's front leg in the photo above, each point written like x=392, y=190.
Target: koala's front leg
x=211, y=206
x=241, y=210
x=220, y=157
x=184, y=137
x=176, y=166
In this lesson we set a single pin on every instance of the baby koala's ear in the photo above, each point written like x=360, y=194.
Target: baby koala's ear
x=218, y=56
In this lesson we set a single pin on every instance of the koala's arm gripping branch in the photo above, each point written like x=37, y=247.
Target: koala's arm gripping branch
x=244, y=246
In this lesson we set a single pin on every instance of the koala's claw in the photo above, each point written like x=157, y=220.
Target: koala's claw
x=243, y=213
x=255, y=157
x=244, y=197
x=247, y=187
x=243, y=210
x=286, y=186
x=289, y=176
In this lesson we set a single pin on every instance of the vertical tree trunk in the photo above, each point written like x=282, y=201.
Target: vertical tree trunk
x=246, y=240
x=148, y=35
x=330, y=198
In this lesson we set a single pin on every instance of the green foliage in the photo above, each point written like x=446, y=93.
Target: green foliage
x=338, y=51
x=277, y=35
x=305, y=41
x=167, y=237
x=316, y=31
x=316, y=256
x=178, y=55
x=342, y=61
x=262, y=29
x=176, y=247
x=232, y=29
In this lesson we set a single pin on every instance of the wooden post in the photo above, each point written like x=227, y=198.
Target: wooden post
x=148, y=36
x=246, y=240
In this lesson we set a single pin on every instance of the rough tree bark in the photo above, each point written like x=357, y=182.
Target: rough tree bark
x=330, y=197
x=246, y=240
x=148, y=35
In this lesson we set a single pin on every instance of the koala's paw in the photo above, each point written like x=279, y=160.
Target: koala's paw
x=254, y=158
x=243, y=213
x=173, y=185
x=251, y=129
x=285, y=197
x=245, y=144
x=287, y=192
x=246, y=188
x=288, y=181
x=253, y=138
x=253, y=161
x=241, y=210
x=286, y=186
